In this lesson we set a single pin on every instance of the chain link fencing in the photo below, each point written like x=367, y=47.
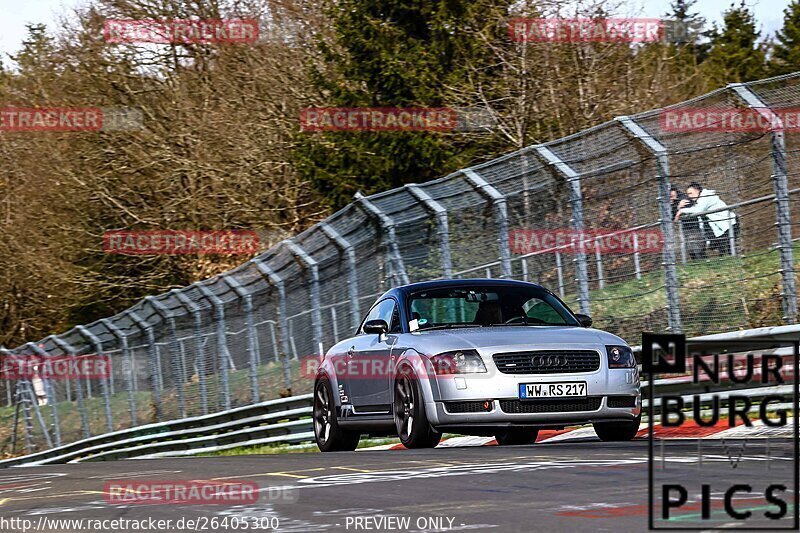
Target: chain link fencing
x=239, y=337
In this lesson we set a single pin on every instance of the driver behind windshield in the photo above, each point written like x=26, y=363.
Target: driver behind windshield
x=487, y=306
x=489, y=312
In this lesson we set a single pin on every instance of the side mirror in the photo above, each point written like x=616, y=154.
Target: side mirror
x=377, y=326
x=585, y=320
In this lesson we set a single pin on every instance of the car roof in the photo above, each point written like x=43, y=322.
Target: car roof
x=445, y=283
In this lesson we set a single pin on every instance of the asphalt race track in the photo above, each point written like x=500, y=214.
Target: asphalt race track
x=574, y=486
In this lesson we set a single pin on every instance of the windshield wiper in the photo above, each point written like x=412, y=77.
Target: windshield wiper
x=450, y=326
x=526, y=324
x=514, y=324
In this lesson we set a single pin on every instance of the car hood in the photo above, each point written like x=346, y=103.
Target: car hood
x=528, y=337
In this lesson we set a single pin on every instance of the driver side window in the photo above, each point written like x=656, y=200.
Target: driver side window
x=387, y=311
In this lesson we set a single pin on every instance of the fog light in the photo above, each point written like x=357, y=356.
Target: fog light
x=487, y=405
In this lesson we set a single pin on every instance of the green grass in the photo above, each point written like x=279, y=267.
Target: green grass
x=718, y=294
x=269, y=449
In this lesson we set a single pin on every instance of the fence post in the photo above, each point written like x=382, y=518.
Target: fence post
x=174, y=353
x=598, y=257
x=352, y=277
x=560, y=272
x=25, y=399
x=387, y=227
x=442, y=227
x=98, y=350
x=576, y=201
x=253, y=352
x=147, y=329
x=34, y=401
x=223, y=354
x=9, y=396
x=199, y=345
x=48, y=390
x=500, y=206
x=782, y=207
x=126, y=354
x=71, y=351
x=276, y=281
x=312, y=268
x=274, y=338
x=665, y=212
x=334, y=323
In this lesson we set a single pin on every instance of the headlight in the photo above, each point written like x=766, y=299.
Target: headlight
x=620, y=357
x=458, y=362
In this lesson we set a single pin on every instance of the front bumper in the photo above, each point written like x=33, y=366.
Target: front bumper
x=459, y=400
x=440, y=415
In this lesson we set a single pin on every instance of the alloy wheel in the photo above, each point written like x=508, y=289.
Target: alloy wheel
x=404, y=405
x=323, y=413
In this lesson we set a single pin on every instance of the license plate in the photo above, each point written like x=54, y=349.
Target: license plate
x=563, y=389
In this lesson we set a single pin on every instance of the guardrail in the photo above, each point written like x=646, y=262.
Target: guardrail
x=284, y=420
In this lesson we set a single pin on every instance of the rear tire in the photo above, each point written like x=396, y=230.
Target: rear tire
x=516, y=436
x=410, y=419
x=617, y=431
x=329, y=436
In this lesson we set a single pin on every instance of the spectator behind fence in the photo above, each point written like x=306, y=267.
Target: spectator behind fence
x=692, y=227
x=718, y=221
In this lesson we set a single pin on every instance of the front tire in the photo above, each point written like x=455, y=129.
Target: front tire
x=516, y=436
x=410, y=419
x=617, y=431
x=329, y=436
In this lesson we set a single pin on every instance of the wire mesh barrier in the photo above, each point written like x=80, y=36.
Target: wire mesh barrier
x=588, y=216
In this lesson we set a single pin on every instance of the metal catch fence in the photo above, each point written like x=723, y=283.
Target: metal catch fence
x=239, y=338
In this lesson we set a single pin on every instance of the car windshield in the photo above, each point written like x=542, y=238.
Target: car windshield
x=475, y=306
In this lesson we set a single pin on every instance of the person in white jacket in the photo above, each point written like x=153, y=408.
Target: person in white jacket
x=719, y=220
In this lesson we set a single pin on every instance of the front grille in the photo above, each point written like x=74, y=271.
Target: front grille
x=466, y=407
x=547, y=361
x=591, y=403
x=622, y=401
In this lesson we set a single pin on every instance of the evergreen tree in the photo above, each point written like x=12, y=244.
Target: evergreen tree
x=394, y=53
x=685, y=29
x=37, y=47
x=786, y=51
x=736, y=55
x=35, y=64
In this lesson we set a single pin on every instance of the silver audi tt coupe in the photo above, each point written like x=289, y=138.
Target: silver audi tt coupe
x=476, y=357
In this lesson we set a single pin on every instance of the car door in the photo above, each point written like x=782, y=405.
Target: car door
x=369, y=365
